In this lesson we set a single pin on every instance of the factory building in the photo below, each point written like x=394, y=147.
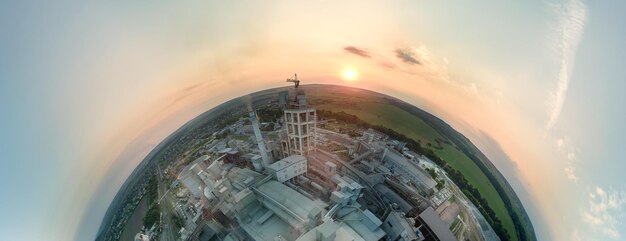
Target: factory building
x=346, y=220
x=400, y=228
x=395, y=161
x=432, y=227
x=266, y=210
x=370, y=135
x=300, y=125
x=288, y=168
x=309, y=194
x=356, y=225
x=189, y=175
x=393, y=198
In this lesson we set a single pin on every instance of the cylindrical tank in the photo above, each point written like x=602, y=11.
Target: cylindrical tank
x=318, y=187
x=304, y=179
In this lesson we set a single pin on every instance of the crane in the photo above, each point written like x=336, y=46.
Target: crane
x=295, y=80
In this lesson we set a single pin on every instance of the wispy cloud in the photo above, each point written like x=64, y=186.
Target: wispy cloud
x=572, y=18
x=605, y=212
x=358, y=51
x=387, y=65
x=407, y=56
x=423, y=62
x=564, y=146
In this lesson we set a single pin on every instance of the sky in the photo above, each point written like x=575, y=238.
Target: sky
x=87, y=89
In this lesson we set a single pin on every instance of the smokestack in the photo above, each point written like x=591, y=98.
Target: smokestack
x=382, y=159
x=259, y=138
x=248, y=102
x=282, y=99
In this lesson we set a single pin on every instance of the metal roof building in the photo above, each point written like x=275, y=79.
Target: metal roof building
x=357, y=225
x=409, y=169
x=432, y=227
x=288, y=167
x=272, y=210
x=400, y=228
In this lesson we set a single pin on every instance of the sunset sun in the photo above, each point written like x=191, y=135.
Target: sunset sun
x=349, y=74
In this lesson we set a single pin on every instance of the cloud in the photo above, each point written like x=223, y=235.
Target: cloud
x=426, y=64
x=560, y=143
x=570, y=172
x=572, y=18
x=387, y=65
x=605, y=212
x=407, y=56
x=564, y=147
x=358, y=51
x=473, y=88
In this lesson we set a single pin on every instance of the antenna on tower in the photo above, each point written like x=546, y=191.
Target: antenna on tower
x=294, y=79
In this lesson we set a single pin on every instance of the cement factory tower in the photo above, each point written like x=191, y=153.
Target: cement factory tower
x=259, y=138
x=300, y=124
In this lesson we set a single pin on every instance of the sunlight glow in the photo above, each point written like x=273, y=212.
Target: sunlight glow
x=349, y=74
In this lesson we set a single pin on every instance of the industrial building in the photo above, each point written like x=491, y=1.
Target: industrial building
x=400, y=228
x=397, y=162
x=431, y=226
x=300, y=126
x=288, y=168
x=360, y=189
x=190, y=178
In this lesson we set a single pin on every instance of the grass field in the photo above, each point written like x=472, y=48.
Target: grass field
x=377, y=111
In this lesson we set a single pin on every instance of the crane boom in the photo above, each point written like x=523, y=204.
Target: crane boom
x=294, y=79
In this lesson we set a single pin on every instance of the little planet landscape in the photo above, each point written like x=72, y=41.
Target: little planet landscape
x=312, y=120
x=316, y=162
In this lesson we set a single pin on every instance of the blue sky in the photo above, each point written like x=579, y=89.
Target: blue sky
x=87, y=89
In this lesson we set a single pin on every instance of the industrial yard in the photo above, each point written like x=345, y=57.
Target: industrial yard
x=289, y=174
x=258, y=167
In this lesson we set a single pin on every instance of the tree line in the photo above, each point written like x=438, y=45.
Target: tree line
x=152, y=194
x=472, y=152
x=457, y=177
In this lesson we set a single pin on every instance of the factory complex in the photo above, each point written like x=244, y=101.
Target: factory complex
x=297, y=178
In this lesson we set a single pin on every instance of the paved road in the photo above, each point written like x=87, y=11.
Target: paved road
x=168, y=234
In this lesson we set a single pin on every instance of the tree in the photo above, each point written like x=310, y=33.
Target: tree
x=152, y=216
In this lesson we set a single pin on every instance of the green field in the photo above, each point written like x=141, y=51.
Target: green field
x=377, y=111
